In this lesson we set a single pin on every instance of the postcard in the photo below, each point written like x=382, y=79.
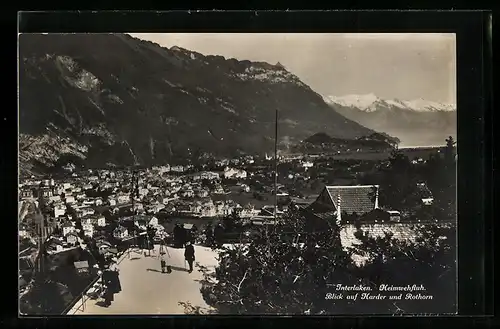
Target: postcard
x=237, y=173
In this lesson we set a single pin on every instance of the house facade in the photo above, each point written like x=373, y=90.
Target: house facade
x=101, y=221
x=59, y=210
x=120, y=232
x=71, y=238
x=88, y=229
x=234, y=173
x=68, y=228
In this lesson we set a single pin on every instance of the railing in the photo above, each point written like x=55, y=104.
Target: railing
x=84, y=296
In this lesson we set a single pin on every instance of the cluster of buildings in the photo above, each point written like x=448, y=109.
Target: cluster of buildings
x=170, y=189
x=187, y=192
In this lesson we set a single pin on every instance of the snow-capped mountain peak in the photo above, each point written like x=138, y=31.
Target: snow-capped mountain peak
x=362, y=102
x=372, y=103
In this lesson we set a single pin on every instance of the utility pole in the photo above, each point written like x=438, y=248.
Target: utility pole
x=276, y=167
x=39, y=222
x=133, y=192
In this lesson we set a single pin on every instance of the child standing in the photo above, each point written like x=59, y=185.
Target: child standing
x=163, y=264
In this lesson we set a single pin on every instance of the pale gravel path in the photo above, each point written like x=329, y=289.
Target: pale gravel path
x=145, y=290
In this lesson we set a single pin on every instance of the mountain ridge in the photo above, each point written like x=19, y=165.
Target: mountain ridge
x=417, y=122
x=114, y=99
x=370, y=101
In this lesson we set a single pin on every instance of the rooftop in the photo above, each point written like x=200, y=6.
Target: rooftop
x=145, y=290
x=353, y=199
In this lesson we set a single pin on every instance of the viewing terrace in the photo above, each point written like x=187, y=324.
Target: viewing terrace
x=145, y=290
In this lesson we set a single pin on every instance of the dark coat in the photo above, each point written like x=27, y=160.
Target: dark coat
x=112, y=280
x=109, y=295
x=189, y=252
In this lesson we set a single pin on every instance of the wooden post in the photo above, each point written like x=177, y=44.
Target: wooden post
x=276, y=167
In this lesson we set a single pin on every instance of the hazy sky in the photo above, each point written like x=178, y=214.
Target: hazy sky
x=405, y=66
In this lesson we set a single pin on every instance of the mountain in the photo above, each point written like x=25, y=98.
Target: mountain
x=322, y=142
x=415, y=123
x=110, y=99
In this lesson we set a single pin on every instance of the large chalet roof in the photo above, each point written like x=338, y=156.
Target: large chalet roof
x=358, y=199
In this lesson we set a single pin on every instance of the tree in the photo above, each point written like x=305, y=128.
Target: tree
x=276, y=274
x=440, y=173
x=57, y=230
x=291, y=273
x=46, y=298
x=430, y=261
x=398, y=189
x=449, y=152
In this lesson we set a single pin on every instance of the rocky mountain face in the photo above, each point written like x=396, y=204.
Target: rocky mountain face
x=102, y=99
x=415, y=123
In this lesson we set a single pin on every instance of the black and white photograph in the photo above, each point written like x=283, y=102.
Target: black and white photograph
x=237, y=174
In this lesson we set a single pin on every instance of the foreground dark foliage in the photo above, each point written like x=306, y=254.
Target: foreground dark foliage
x=276, y=275
x=293, y=273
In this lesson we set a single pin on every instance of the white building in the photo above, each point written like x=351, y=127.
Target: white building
x=87, y=186
x=55, y=198
x=70, y=199
x=87, y=211
x=68, y=228
x=209, y=175
x=101, y=221
x=59, y=210
x=202, y=193
x=177, y=169
x=208, y=211
x=123, y=198
x=120, y=232
x=138, y=206
x=234, y=173
x=88, y=229
x=307, y=164
x=153, y=221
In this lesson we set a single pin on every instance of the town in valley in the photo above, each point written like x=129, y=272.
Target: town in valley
x=237, y=173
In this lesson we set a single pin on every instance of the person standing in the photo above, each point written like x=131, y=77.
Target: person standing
x=107, y=295
x=218, y=232
x=183, y=236
x=115, y=276
x=189, y=255
x=209, y=235
x=177, y=235
x=163, y=264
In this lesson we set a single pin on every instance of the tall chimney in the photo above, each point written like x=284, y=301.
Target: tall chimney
x=339, y=211
x=376, y=196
